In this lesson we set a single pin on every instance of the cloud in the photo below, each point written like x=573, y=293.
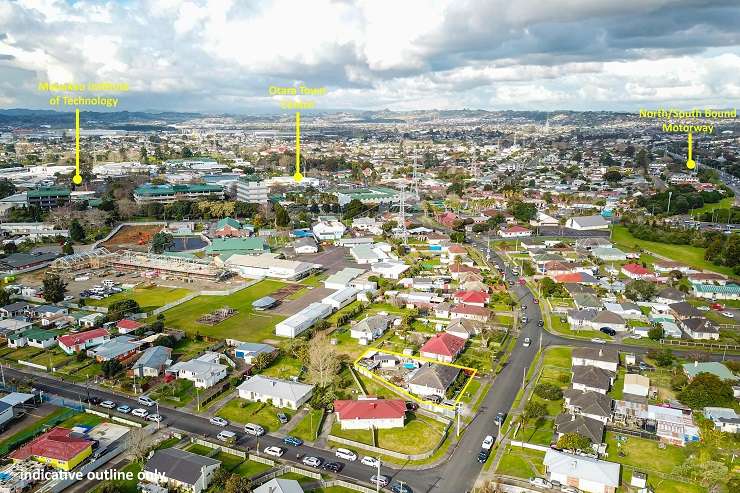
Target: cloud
x=221, y=55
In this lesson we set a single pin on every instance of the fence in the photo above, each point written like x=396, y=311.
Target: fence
x=346, y=484
x=34, y=430
x=263, y=478
x=32, y=365
x=702, y=345
x=222, y=448
x=532, y=446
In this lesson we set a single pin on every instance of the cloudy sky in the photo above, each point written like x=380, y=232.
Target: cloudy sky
x=221, y=55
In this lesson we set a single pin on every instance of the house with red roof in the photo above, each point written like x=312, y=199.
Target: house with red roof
x=126, y=325
x=637, y=271
x=473, y=298
x=456, y=270
x=448, y=219
x=514, y=232
x=366, y=414
x=58, y=448
x=82, y=341
x=443, y=347
x=481, y=314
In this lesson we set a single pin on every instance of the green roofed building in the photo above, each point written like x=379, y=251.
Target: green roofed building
x=368, y=196
x=35, y=337
x=169, y=193
x=717, y=292
x=713, y=367
x=48, y=197
x=242, y=246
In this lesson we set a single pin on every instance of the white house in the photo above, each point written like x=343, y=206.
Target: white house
x=281, y=393
x=584, y=473
x=514, y=232
x=329, y=230
x=390, y=270
x=587, y=223
x=636, y=384
x=370, y=328
x=204, y=371
x=605, y=358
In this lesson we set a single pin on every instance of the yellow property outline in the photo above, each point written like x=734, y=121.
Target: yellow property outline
x=398, y=389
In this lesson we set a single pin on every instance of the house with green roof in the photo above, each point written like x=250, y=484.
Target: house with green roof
x=242, y=246
x=730, y=291
x=164, y=194
x=714, y=367
x=368, y=196
x=34, y=337
x=229, y=227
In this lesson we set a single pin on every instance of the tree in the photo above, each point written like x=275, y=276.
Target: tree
x=457, y=237
x=138, y=443
x=162, y=241
x=4, y=296
x=120, y=309
x=109, y=488
x=323, y=363
x=111, y=368
x=143, y=155
x=7, y=188
x=707, y=389
x=640, y=290
x=220, y=477
x=353, y=209
x=549, y=391
x=10, y=247
x=534, y=410
x=262, y=361
x=656, y=333
x=613, y=176
x=237, y=484
x=76, y=231
x=282, y=218
x=574, y=441
x=54, y=288
x=523, y=211
x=67, y=248
x=662, y=358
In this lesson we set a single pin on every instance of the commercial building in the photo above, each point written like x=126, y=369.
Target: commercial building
x=48, y=197
x=303, y=320
x=252, y=189
x=58, y=448
x=267, y=265
x=165, y=194
x=368, y=196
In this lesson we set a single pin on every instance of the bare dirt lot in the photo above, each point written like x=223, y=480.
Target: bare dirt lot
x=133, y=237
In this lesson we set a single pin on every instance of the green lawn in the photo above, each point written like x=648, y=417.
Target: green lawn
x=540, y=435
x=176, y=394
x=521, y=463
x=283, y=367
x=307, y=429
x=247, y=325
x=558, y=356
x=233, y=463
x=689, y=255
x=419, y=435
x=259, y=413
x=645, y=454
x=125, y=486
x=561, y=327
x=471, y=391
x=725, y=203
x=362, y=436
x=82, y=419
x=148, y=298
x=618, y=387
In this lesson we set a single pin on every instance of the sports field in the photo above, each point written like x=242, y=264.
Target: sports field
x=148, y=298
x=246, y=325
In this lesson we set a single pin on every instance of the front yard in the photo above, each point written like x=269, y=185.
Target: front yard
x=419, y=434
x=240, y=411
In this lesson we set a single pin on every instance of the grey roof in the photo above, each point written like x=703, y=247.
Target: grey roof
x=179, y=465
x=18, y=305
x=589, y=402
x=575, y=288
x=470, y=327
x=593, y=429
x=255, y=348
x=587, y=300
x=607, y=317
x=278, y=485
x=344, y=276
x=587, y=314
x=587, y=468
x=153, y=357
x=305, y=241
x=17, y=260
x=672, y=294
x=593, y=377
x=274, y=387
x=590, y=221
x=435, y=376
x=597, y=354
x=16, y=398
x=700, y=325
x=685, y=310
x=115, y=347
x=373, y=324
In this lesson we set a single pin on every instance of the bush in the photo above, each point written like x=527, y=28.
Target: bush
x=679, y=380
x=549, y=391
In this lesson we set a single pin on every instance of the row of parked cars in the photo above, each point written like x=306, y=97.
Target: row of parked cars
x=553, y=485
x=139, y=412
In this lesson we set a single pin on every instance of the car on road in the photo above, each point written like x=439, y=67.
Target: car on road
x=717, y=306
x=312, y=461
x=93, y=401
x=536, y=301
x=703, y=308
x=569, y=489
x=483, y=456
x=540, y=482
x=411, y=406
x=523, y=307
x=598, y=340
x=218, y=421
x=283, y=418
x=140, y=412
x=333, y=466
x=124, y=409
x=527, y=342
x=488, y=442
x=254, y=429
x=157, y=418
x=146, y=401
x=728, y=314
x=540, y=323
x=608, y=331
x=525, y=320
x=400, y=488
x=381, y=480
x=292, y=441
x=370, y=461
x=346, y=454
x=500, y=418
x=274, y=451
x=108, y=404
x=227, y=436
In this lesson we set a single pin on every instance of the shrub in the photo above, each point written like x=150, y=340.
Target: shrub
x=549, y=391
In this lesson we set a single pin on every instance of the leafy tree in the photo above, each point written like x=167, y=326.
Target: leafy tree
x=574, y=441
x=679, y=381
x=219, y=479
x=262, y=361
x=662, y=358
x=613, y=176
x=640, y=290
x=10, y=247
x=457, y=237
x=7, y=188
x=389, y=225
x=111, y=367
x=523, y=211
x=237, y=484
x=162, y=241
x=76, y=231
x=282, y=218
x=67, y=248
x=535, y=410
x=549, y=391
x=656, y=333
x=707, y=389
x=143, y=154
x=4, y=296
x=187, y=152
x=54, y=288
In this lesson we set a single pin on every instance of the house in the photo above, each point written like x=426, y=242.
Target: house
x=42, y=339
x=700, y=328
x=281, y=393
x=118, y=348
x=463, y=328
x=280, y=485
x=305, y=245
x=595, y=319
x=58, y=448
x=730, y=291
x=707, y=278
x=180, y=470
x=470, y=312
x=248, y=351
x=368, y=414
x=370, y=328
x=585, y=473
x=126, y=326
x=609, y=254
x=637, y=271
x=590, y=243
x=472, y=298
x=626, y=310
x=713, y=367
x=229, y=228
x=204, y=371
x=587, y=223
x=514, y=232
x=669, y=296
x=14, y=309
x=389, y=270
x=593, y=405
x=82, y=341
x=152, y=362
x=342, y=278
x=303, y=320
x=432, y=380
x=592, y=378
x=636, y=384
x=593, y=429
x=443, y=347
x=685, y=310
x=329, y=230
x=725, y=419
x=10, y=326
x=605, y=358
x=90, y=320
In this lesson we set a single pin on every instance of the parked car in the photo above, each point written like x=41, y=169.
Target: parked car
x=124, y=409
x=540, y=323
x=488, y=442
x=569, y=489
x=483, y=455
x=598, y=340
x=254, y=429
x=312, y=461
x=108, y=404
x=703, y=308
x=411, y=406
x=140, y=412
x=527, y=342
x=540, y=482
x=346, y=454
x=275, y=451
x=536, y=301
x=370, y=461
x=218, y=421
x=333, y=466
x=608, y=331
x=381, y=480
x=728, y=314
x=282, y=417
x=93, y=401
x=400, y=488
x=157, y=418
x=500, y=418
x=292, y=441
x=227, y=436
x=717, y=306
x=146, y=401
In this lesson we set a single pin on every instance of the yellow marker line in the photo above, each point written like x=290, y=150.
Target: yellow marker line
x=690, y=163
x=297, y=176
x=690, y=146
x=77, y=178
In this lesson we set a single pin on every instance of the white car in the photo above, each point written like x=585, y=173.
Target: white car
x=540, y=482
x=108, y=404
x=146, y=401
x=218, y=421
x=157, y=418
x=598, y=340
x=487, y=443
x=312, y=461
x=370, y=461
x=124, y=409
x=346, y=454
x=140, y=412
x=703, y=308
x=527, y=342
x=569, y=489
x=275, y=451
x=728, y=314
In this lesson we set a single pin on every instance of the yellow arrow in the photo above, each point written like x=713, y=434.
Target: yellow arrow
x=298, y=176
x=77, y=178
x=691, y=164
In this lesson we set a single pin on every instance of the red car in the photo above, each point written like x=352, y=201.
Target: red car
x=522, y=281
x=716, y=306
x=536, y=301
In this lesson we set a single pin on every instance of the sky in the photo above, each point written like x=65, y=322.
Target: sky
x=221, y=56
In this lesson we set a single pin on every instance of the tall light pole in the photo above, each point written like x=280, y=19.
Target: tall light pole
x=669, y=202
x=377, y=483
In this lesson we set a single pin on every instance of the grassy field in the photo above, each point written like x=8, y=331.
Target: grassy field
x=725, y=203
x=558, y=356
x=307, y=429
x=125, y=486
x=283, y=367
x=521, y=463
x=645, y=454
x=232, y=463
x=419, y=434
x=247, y=325
x=692, y=256
x=259, y=413
x=147, y=298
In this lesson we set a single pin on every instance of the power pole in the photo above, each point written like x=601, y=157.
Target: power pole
x=404, y=233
